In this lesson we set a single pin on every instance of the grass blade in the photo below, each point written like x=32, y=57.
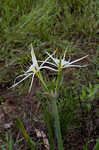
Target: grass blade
x=31, y=143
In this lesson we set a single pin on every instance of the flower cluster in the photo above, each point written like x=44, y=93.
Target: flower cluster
x=35, y=68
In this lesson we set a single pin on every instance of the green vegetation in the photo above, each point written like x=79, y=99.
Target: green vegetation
x=50, y=25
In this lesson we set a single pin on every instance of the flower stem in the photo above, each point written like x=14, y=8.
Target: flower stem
x=48, y=120
x=58, y=78
x=57, y=125
x=41, y=79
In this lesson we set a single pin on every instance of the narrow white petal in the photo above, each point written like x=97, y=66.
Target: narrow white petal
x=64, y=55
x=34, y=60
x=69, y=59
x=45, y=60
x=48, y=63
x=57, y=61
x=50, y=68
x=67, y=66
x=21, y=80
x=54, y=59
x=78, y=59
x=30, y=68
x=63, y=63
x=31, y=83
x=19, y=77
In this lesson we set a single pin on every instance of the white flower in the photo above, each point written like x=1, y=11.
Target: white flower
x=64, y=63
x=33, y=69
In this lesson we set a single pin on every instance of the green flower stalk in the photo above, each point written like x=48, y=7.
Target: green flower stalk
x=60, y=64
x=57, y=124
x=59, y=77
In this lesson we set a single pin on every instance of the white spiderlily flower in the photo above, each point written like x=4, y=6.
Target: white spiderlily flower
x=64, y=63
x=33, y=69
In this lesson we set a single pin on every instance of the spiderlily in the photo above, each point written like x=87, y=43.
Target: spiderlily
x=64, y=63
x=33, y=69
